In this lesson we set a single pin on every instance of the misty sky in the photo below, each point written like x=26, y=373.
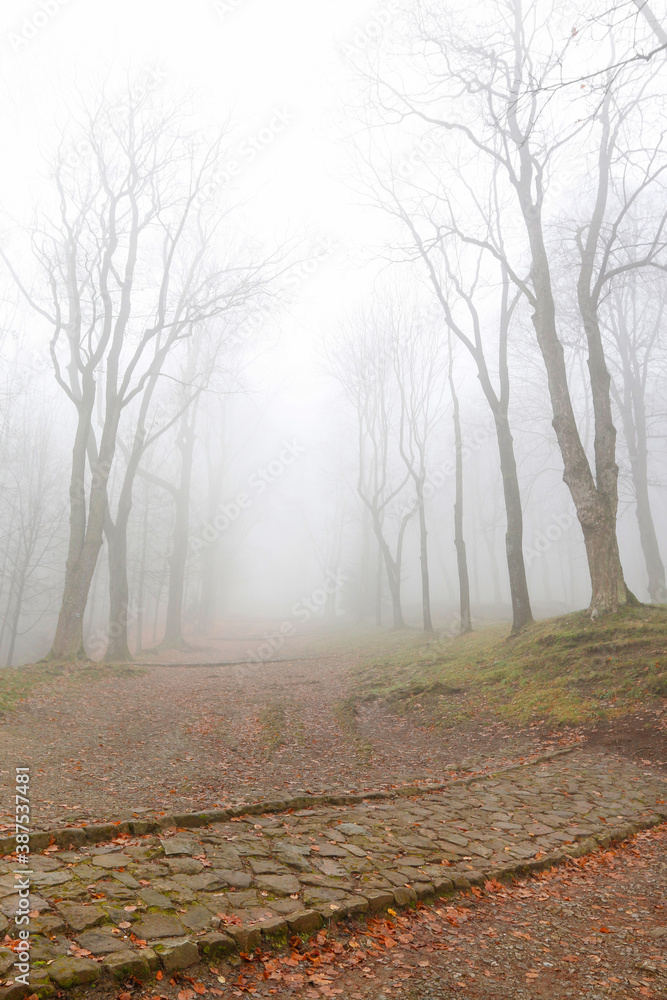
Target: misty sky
x=267, y=64
x=285, y=81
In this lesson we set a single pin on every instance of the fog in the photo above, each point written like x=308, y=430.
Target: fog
x=329, y=314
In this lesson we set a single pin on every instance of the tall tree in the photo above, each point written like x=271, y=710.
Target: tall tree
x=508, y=128
x=465, y=618
x=129, y=267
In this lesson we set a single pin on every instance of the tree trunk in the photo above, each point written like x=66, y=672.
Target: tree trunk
x=85, y=538
x=595, y=505
x=633, y=415
x=595, y=499
x=178, y=560
x=423, y=557
x=141, y=582
x=158, y=605
x=211, y=556
x=118, y=650
x=522, y=613
x=521, y=610
x=365, y=581
x=16, y=616
x=393, y=568
x=647, y=533
x=459, y=541
x=378, y=588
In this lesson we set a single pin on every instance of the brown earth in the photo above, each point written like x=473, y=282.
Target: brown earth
x=195, y=734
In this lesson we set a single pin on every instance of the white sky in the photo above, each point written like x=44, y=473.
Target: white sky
x=255, y=58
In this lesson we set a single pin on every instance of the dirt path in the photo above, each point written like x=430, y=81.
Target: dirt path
x=182, y=737
x=194, y=733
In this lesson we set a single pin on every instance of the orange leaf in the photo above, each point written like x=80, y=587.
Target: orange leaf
x=199, y=988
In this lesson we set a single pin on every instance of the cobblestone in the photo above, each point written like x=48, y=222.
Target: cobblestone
x=137, y=901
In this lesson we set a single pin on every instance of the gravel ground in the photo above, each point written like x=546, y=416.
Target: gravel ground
x=182, y=737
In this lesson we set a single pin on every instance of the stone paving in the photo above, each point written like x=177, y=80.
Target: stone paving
x=175, y=897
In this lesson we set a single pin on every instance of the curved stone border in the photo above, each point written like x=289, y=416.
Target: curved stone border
x=96, y=833
x=182, y=953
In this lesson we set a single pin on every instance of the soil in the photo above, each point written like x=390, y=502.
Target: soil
x=189, y=735
x=183, y=736
x=641, y=736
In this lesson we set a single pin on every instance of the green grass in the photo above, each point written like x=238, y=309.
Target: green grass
x=563, y=670
x=18, y=683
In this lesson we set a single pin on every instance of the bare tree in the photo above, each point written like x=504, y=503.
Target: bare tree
x=634, y=318
x=418, y=364
x=128, y=262
x=31, y=537
x=503, y=71
x=459, y=538
x=362, y=364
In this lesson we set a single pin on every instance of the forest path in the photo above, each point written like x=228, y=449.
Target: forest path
x=181, y=736
x=185, y=898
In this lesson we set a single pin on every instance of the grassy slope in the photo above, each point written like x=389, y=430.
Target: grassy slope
x=567, y=669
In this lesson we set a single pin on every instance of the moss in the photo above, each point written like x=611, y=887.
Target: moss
x=564, y=670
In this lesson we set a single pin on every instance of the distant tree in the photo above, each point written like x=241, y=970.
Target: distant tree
x=362, y=363
x=634, y=320
x=419, y=366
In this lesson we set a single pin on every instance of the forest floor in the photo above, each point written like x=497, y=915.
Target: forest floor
x=328, y=711
x=219, y=722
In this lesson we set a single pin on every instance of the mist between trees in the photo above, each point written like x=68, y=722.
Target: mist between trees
x=479, y=433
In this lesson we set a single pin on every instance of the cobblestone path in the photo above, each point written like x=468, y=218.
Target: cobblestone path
x=173, y=897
